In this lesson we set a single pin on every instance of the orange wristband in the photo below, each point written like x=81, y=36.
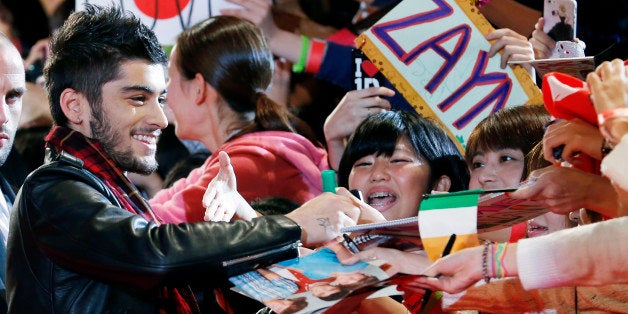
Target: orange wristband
x=315, y=57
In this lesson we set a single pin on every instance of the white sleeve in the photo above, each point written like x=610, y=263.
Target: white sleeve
x=594, y=254
x=614, y=165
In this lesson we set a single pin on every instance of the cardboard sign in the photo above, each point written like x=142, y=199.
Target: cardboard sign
x=435, y=54
x=166, y=18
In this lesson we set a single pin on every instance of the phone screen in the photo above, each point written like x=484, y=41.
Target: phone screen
x=560, y=19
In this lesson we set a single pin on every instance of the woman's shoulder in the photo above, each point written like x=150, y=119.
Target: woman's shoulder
x=274, y=140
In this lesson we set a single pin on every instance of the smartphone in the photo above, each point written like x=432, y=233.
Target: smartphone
x=560, y=19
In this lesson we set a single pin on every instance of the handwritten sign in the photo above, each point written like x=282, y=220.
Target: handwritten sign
x=166, y=18
x=435, y=54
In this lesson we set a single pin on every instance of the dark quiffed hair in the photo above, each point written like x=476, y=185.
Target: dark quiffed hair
x=88, y=49
x=379, y=133
x=233, y=57
x=519, y=127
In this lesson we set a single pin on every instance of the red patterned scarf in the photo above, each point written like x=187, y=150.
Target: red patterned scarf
x=98, y=162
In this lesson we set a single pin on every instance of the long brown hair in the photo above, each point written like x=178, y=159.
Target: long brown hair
x=233, y=56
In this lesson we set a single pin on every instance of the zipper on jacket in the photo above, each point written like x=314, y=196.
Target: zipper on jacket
x=249, y=258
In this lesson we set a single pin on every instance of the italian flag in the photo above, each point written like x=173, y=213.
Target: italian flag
x=441, y=215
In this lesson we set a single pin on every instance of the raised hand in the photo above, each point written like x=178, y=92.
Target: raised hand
x=541, y=42
x=222, y=199
x=608, y=85
x=354, y=107
x=515, y=48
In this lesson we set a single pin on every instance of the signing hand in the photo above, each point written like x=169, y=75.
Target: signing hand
x=322, y=217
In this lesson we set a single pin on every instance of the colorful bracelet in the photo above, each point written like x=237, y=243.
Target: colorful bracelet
x=315, y=56
x=499, y=269
x=305, y=47
x=487, y=245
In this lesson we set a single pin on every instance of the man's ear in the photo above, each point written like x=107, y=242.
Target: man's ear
x=74, y=106
x=443, y=184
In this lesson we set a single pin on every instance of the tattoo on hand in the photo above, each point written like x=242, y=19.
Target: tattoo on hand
x=325, y=223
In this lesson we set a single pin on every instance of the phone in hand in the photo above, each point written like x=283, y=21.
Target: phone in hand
x=560, y=19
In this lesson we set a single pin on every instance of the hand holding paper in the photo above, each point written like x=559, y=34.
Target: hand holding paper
x=586, y=191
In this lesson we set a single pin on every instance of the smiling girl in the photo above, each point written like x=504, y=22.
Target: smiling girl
x=395, y=157
x=497, y=154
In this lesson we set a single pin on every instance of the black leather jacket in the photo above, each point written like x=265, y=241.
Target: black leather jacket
x=73, y=249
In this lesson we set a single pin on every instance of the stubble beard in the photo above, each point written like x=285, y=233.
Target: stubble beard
x=110, y=139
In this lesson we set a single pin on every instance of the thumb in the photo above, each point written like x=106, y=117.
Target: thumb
x=368, y=214
x=224, y=159
x=353, y=213
x=527, y=190
x=226, y=170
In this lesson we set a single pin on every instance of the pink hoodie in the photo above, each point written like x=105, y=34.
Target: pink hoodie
x=268, y=163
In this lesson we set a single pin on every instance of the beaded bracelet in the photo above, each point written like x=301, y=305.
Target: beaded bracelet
x=487, y=245
x=305, y=48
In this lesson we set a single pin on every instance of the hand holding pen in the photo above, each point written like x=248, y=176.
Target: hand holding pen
x=348, y=241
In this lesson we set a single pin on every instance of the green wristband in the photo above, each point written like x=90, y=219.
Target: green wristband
x=305, y=47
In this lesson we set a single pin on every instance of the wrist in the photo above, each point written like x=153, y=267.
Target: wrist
x=496, y=260
x=613, y=124
x=299, y=65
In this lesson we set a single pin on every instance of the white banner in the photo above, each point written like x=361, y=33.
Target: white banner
x=167, y=18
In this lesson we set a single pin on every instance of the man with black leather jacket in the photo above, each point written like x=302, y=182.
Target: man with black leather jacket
x=82, y=239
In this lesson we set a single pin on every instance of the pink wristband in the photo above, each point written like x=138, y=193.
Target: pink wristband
x=611, y=114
